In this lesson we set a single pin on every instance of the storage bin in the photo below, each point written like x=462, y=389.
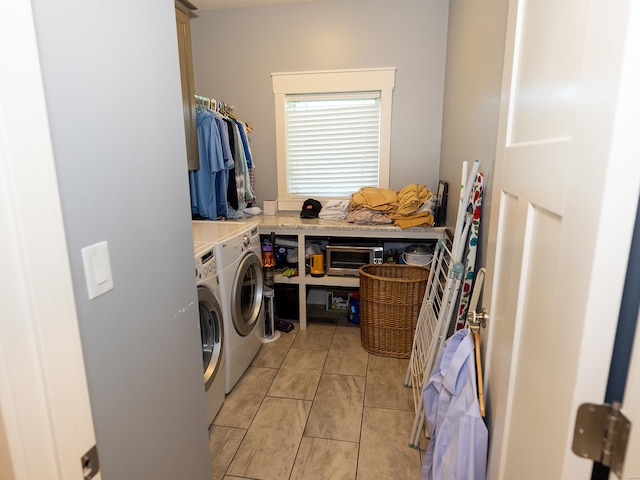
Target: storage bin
x=390, y=301
x=286, y=302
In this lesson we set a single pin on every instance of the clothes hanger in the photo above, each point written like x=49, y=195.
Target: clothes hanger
x=474, y=325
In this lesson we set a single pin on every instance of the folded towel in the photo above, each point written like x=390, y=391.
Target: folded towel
x=383, y=200
x=421, y=219
x=335, y=209
x=410, y=198
x=367, y=216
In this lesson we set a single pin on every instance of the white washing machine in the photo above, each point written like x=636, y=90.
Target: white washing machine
x=211, y=327
x=239, y=262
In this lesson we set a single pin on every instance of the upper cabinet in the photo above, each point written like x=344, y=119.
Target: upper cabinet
x=183, y=15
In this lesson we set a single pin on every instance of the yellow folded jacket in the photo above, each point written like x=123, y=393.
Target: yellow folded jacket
x=421, y=219
x=380, y=199
x=410, y=198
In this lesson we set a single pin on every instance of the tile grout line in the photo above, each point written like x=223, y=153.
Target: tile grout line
x=312, y=402
x=266, y=394
x=364, y=396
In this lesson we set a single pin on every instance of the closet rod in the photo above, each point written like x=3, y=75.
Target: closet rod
x=212, y=103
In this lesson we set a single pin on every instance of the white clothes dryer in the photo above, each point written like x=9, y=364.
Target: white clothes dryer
x=240, y=271
x=211, y=327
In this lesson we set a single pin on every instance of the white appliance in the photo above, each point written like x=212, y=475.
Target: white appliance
x=211, y=327
x=238, y=256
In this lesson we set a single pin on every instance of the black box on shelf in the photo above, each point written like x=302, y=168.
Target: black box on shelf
x=286, y=301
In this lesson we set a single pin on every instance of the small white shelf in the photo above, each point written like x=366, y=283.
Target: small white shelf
x=277, y=278
x=326, y=280
x=330, y=281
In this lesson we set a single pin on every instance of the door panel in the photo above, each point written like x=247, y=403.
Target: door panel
x=538, y=172
x=504, y=330
x=559, y=243
x=543, y=86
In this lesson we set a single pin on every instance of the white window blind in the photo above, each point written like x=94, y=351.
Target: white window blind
x=332, y=143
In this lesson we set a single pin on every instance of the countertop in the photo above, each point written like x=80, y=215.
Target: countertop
x=292, y=221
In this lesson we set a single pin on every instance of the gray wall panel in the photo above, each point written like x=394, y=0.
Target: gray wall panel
x=112, y=88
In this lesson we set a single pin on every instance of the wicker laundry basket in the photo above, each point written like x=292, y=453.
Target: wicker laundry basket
x=390, y=301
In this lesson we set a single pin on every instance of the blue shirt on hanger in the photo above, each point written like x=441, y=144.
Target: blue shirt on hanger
x=204, y=182
x=457, y=449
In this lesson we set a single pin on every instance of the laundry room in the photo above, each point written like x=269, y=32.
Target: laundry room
x=158, y=327
x=245, y=64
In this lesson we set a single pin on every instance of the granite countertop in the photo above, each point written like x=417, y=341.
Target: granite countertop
x=292, y=220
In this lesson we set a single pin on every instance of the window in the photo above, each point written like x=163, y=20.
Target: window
x=333, y=131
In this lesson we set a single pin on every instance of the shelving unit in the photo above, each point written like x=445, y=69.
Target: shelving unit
x=290, y=225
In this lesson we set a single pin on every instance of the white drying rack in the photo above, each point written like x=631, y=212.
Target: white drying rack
x=438, y=304
x=431, y=330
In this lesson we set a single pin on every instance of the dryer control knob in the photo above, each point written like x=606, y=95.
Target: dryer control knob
x=246, y=241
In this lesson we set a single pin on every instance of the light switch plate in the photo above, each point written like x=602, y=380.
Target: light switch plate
x=97, y=269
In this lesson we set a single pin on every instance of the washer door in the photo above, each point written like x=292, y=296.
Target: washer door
x=211, y=333
x=246, y=294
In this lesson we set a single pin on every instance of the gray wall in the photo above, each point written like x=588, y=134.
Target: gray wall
x=112, y=89
x=235, y=51
x=475, y=53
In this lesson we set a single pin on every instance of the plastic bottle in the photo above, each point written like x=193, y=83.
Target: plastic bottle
x=268, y=264
x=353, y=314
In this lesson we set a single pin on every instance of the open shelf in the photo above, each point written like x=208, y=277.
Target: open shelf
x=292, y=230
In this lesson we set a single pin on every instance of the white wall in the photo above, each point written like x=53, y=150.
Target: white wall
x=112, y=88
x=235, y=51
x=475, y=54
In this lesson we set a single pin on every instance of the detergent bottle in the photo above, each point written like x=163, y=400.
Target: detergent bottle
x=353, y=314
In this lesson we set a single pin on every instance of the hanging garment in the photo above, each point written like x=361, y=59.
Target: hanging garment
x=232, y=191
x=228, y=164
x=457, y=449
x=225, y=184
x=245, y=159
x=244, y=131
x=242, y=174
x=206, y=182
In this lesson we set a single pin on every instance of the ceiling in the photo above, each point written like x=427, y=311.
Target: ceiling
x=221, y=4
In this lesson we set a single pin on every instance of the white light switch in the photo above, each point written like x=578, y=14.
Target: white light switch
x=97, y=269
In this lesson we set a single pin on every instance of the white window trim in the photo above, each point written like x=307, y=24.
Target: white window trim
x=331, y=81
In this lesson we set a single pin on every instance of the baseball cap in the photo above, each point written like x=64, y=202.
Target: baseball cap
x=310, y=208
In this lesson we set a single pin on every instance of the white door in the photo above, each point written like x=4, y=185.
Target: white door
x=45, y=415
x=565, y=192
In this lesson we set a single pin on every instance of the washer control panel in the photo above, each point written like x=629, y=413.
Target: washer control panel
x=254, y=237
x=206, y=267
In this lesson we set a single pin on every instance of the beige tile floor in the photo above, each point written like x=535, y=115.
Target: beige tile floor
x=315, y=405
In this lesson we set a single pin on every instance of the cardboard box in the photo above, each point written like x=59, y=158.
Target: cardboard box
x=338, y=300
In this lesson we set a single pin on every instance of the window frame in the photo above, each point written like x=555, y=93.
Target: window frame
x=331, y=81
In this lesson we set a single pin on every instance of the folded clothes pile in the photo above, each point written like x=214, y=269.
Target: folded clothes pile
x=412, y=206
x=337, y=209
x=415, y=209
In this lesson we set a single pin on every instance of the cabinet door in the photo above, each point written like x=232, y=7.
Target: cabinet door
x=188, y=88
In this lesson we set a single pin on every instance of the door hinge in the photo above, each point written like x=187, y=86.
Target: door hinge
x=90, y=463
x=601, y=435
